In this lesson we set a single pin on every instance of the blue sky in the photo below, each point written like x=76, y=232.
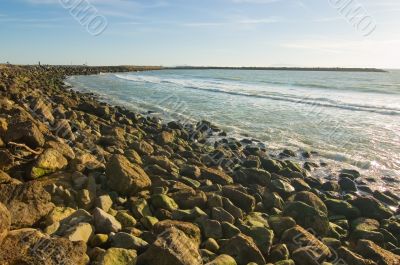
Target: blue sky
x=203, y=32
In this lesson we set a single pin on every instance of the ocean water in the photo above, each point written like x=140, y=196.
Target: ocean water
x=351, y=119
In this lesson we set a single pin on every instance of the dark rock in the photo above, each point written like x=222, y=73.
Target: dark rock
x=25, y=132
x=242, y=200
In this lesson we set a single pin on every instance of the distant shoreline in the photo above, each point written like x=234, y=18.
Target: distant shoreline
x=319, y=69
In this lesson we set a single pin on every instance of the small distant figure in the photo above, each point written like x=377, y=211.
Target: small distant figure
x=39, y=63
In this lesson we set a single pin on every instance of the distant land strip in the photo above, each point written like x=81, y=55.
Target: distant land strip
x=322, y=69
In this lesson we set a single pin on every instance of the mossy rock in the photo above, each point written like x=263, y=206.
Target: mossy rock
x=118, y=256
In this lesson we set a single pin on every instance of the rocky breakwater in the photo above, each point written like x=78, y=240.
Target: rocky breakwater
x=83, y=182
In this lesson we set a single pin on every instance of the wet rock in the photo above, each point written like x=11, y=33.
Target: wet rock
x=310, y=199
x=124, y=177
x=31, y=247
x=371, y=207
x=240, y=199
x=172, y=247
x=104, y=222
x=308, y=217
x=216, y=176
x=272, y=166
x=304, y=242
x=28, y=203
x=338, y=207
x=243, y=249
x=354, y=174
x=117, y=256
x=282, y=187
x=247, y=176
x=346, y=184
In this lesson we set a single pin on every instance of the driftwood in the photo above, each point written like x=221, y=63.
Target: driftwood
x=38, y=152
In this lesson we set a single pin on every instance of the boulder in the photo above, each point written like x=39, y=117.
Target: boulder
x=48, y=162
x=31, y=247
x=128, y=241
x=5, y=221
x=216, y=176
x=223, y=260
x=243, y=249
x=302, y=241
x=104, y=202
x=25, y=132
x=191, y=230
x=172, y=247
x=189, y=198
x=80, y=232
x=308, y=217
x=117, y=256
x=28, y=203
x=143, y=148
x=352, y=258
x=162, y=201
x=247, y=176
x=370, y=250
x=310, y=199
x=124, y=177
x=242, y=200
x=371, y=207
x=339, y=207
x=105, y=223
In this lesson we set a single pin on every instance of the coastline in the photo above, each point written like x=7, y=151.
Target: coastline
x=135, y=183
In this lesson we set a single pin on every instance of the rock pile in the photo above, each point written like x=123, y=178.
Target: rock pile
x=83, y=182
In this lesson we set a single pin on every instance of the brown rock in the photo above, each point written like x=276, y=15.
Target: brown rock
x=191, y=230
x=5, y=221
x=216, y=176
x=172, y=247
x=28, y=203
x=352, y=258
x=25, y=132
x=240, y=199
x=370, y=250
x=30, y=247
x=243, y=249
x=124, y=177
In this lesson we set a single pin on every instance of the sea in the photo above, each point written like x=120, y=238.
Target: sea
x=350, y=119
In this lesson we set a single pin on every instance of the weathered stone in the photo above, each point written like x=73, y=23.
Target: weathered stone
x=247, y=176
x=352, y=258
x=371, y=207
x=118, y=256
x=223, y=260
x=128, y=241
x=164, y=202
x=80, y=232
x=338, y=207
x=280, y=224
x=191, y=230
x=49, y=161
x=143, y=148
x=25, y=132
x=104, y=222
x=5, y=221
x=310, y=199
x=243, y=249
x=216, y=176
x=308, y=217
x=30, y=247
x=124, y=177
x=125, y=219
x=219, y=214
x=370, y=250
x=28, y=203
x=172, y=247
x=242, y=200
x=189, y=198
x=104, y=202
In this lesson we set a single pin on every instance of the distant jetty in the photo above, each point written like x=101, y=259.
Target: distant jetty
x=321, y=69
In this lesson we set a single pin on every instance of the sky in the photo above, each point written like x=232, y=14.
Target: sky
x=301, y=33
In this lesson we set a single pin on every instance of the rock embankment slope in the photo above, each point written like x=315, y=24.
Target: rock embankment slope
x=83, y=182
